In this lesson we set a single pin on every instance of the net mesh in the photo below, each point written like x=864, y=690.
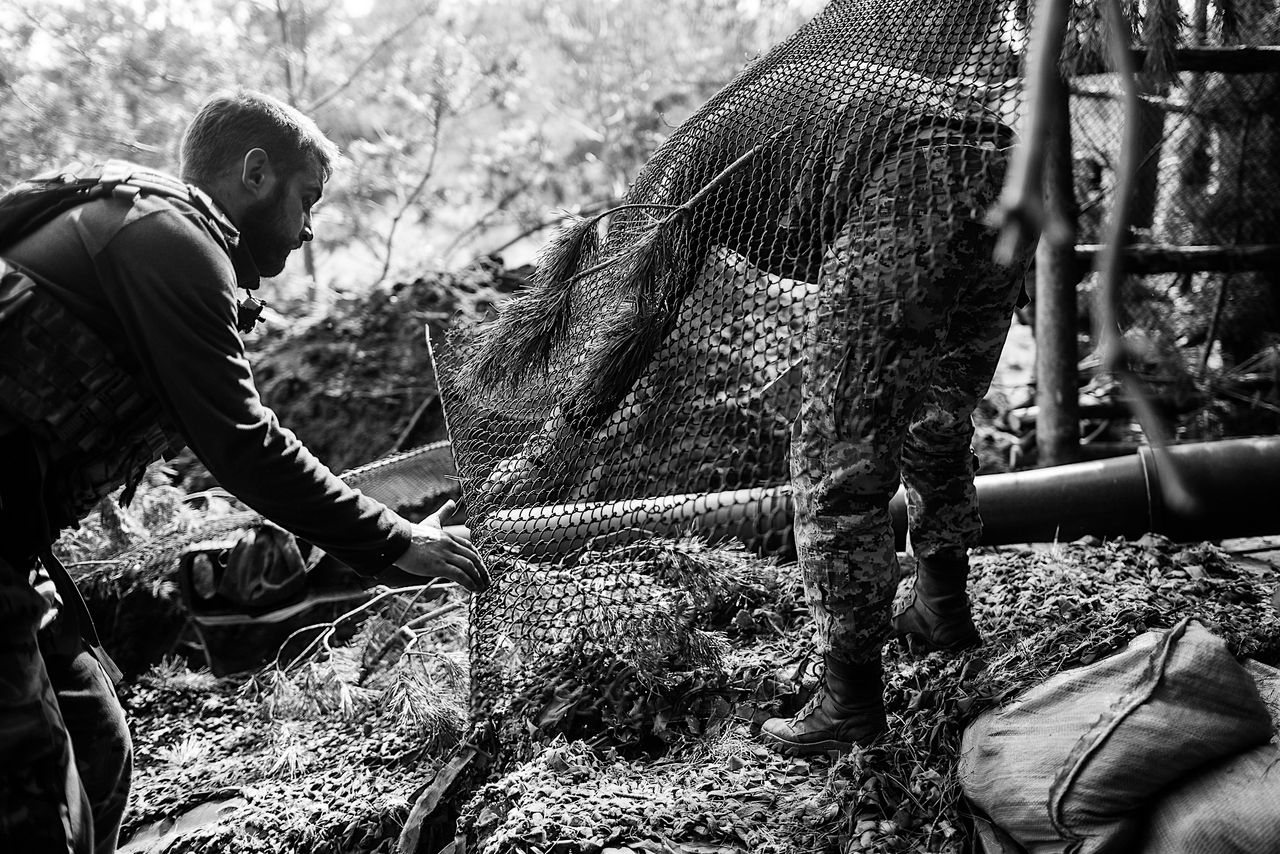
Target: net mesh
x=1206, y=156
x=649, y=377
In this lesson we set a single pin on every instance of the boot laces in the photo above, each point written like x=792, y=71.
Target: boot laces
x=815, y=700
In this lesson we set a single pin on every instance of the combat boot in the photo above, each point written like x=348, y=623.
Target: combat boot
x=846, y=708
x=938, y=615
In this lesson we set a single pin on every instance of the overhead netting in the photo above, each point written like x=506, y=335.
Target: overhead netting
x=648, y=379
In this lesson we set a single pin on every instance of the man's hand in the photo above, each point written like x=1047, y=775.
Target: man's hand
x=444, y=550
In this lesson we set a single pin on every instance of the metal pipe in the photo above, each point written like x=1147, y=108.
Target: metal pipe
x=1235, y=484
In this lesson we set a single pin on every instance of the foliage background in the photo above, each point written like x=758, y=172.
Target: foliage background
x=467, y=124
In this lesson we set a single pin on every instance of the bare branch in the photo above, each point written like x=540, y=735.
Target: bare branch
x=282, y=18
x=304, y=53
x=60, y=37
x=498, y=207
x=1111, y=345
x=588, y=210
x=364, y=63
x=129, y=144
x=418, y=189
x=1020, y=214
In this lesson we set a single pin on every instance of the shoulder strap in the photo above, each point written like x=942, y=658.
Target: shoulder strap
x=36, y=201
x=124, y=177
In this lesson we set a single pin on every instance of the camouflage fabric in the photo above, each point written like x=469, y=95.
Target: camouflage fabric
x=909, y=325
x=65, y=752
x=810, y=237
x=42, y=805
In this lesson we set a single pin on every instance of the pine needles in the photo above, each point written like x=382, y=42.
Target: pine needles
x=378, y=668
x=533, y=323
x=652, y=282
x=1162, y=26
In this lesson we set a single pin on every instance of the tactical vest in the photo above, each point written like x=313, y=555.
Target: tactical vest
x=100, y=425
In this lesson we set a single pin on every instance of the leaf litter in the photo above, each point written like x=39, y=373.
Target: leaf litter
x=664, y=764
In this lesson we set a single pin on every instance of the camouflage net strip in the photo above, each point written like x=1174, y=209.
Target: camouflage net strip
x=650, y=376
x=715, y=792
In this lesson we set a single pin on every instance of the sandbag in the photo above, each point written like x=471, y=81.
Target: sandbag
x=1231, y=808
x=1267, y=678
x=1070, y=765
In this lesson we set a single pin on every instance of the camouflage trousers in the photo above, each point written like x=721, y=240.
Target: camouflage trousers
x=66, y=757
x=909, y=326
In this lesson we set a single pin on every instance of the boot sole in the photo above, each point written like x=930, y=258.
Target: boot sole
x=813, y=748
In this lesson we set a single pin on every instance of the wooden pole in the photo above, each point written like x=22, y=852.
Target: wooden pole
x=1057, y=274
x=1153, y=258
x=1262, y=59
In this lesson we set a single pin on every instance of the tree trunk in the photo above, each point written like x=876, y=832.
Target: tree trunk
x=1057, y=274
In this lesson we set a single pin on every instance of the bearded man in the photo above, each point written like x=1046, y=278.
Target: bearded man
x=120, y=341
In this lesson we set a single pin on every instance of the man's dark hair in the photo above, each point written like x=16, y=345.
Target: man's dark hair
x=231, y=124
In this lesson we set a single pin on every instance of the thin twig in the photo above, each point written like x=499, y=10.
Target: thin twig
x=427, y=173
x=685, y=208
x=1252, y=400
x=589, y=209
x=358, y=69
x=282, y=18
x=1111, y=345
x=399, y=443
x=331, y=626
x=433, y=615
x=481, y=221
x=1020, y=213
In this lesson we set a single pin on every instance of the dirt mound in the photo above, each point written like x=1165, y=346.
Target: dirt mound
x=357, y=383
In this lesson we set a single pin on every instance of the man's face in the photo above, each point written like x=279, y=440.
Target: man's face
x=275, y=226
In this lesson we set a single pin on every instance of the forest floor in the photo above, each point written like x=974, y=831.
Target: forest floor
x=315, y=759
x=328, y=750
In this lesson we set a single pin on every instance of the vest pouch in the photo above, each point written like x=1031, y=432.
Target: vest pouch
x=60, y=382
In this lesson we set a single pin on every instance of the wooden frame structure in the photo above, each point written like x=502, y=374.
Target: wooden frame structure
x=1059, y=272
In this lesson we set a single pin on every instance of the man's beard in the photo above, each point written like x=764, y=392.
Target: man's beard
x=263, y=232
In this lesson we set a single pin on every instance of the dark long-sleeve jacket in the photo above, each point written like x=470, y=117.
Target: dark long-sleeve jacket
x=157, y=279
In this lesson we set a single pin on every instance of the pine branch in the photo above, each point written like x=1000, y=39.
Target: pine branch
x=534, y=322
x=1162, y=27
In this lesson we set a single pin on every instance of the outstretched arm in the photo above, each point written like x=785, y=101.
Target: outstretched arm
x=442, y=549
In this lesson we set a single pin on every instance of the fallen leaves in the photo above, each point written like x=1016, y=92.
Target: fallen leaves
x=694, y=788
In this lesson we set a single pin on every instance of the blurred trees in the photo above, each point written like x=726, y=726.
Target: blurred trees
x=466, y=123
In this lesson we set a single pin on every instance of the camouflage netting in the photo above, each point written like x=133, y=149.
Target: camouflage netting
x=657, y=352
x=355, y=384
